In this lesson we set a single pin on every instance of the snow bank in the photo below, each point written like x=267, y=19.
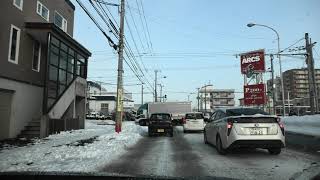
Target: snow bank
x=79, y=150
x=309, y=124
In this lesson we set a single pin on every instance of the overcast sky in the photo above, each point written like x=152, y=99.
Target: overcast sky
x=195, y=42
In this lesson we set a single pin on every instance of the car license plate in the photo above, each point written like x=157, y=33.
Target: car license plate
x=256, y=131
x=160, y=130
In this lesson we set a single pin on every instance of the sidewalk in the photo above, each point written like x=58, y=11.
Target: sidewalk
x=78, y=150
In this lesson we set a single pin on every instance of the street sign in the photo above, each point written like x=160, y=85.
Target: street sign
x=254, y=94
x=252, y=62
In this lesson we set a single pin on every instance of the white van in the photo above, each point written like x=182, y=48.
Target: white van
x=193, y=122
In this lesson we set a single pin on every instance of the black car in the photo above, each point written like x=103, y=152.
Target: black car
x=160, y=123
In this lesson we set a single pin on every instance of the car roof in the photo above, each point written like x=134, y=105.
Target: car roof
x=227, y=108
x=160, y=113
x=194, y=113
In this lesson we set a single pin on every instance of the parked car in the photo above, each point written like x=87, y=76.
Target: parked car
x=193, y=122
x=143, y=122
x=100, y=116
x=206, y=116
x=160, y=123
x=139, y=117
x=92, y=115
x=233, y=128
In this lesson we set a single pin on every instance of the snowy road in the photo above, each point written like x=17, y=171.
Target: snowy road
x=186, y=155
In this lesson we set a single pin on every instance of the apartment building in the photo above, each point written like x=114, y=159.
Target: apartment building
x=211, y=98
x=296, y=88
x=43, y=70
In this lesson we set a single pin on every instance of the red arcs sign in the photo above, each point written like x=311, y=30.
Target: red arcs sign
x=252, y=61
x=254, y=94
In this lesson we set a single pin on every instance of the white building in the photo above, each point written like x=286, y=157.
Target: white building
x=100, y=100
x=211, y=98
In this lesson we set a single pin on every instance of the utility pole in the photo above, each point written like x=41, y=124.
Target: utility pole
x=198, y=98
x=311, y=74
x=141, y=93
x=161, y=86
x=288, y=102
x=205, y=98
x=155, y=85
x=119, y=103
x=273, y=89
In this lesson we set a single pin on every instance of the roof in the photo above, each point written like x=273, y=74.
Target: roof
x=103, y=98
x=70, y=4
x=50, y=27
x=94, y=84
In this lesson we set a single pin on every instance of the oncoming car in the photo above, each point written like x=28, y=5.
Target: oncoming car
x=160, y=123
x=233, y=128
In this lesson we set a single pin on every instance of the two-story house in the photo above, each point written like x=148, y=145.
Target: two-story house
x=43, y=70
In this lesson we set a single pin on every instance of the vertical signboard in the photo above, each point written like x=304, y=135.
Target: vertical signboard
x=254, y=94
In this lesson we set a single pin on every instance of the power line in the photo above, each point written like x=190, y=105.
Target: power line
x=111, y=43
x=134, y=23
x=146, y=25
x=134, y=65
x=143, y=26
x=296, y=42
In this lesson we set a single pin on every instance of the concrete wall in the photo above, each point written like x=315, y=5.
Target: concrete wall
x=26, y=104
x=80, y=111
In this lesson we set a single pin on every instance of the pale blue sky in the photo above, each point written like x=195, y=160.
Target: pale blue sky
x=194, y=41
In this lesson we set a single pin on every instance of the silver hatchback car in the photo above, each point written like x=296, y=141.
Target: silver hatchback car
x=244, y=127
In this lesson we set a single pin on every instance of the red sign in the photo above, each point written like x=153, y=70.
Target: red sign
x=254, y=94
x=252, y=61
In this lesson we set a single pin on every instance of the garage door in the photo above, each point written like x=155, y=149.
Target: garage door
x=5, y=112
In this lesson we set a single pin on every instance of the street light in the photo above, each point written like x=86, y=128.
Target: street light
x=281, y=77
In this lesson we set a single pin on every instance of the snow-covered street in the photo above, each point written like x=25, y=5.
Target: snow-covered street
x=98, y=149
x=77, y=151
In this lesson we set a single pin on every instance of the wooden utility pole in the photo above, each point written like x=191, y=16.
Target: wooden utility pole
x=311, y=76
x=141, y=93
x=155, y=86
x=273, y=89
x=119, y=103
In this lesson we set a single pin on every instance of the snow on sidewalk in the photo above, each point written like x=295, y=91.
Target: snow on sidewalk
x=78, y=150
x=308, y=125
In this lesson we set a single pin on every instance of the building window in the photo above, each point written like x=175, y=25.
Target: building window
x=43, y=11
x=14, y=44
x=60, y=21
x=36, y=56
x=18, y=4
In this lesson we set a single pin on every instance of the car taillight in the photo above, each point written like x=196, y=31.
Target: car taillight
x=229, y=127
x=281, y=125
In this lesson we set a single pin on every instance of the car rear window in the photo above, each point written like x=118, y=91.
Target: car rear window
x=194, y=116
x=245, y=111
x=160, y=117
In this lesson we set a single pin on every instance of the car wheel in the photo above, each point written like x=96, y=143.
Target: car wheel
x=185, y=131
x=205, y=137
x=219, y=146
x=141, y=123
x=171, y=134
x=274, y=151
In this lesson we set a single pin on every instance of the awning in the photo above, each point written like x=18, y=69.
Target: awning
x=40, y=31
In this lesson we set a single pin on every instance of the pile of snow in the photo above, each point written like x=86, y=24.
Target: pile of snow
x=309, y=124
x=78, y=150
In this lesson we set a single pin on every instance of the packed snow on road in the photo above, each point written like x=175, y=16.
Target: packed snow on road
x=308, y=125
x=77, y=150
